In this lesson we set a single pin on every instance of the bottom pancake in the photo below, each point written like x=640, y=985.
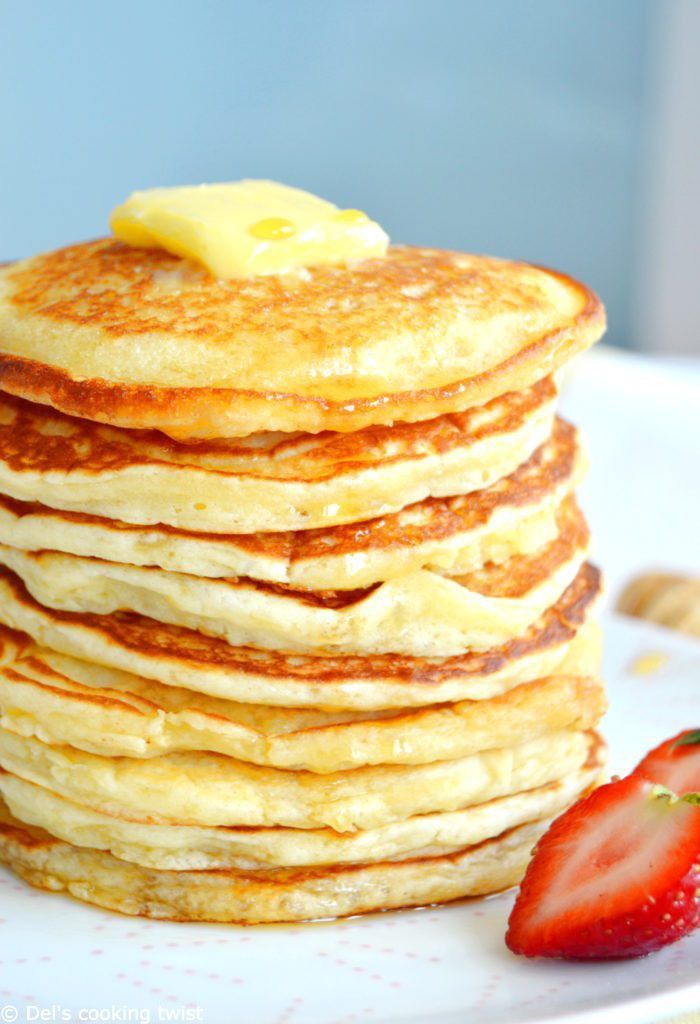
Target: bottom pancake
x=283, y=895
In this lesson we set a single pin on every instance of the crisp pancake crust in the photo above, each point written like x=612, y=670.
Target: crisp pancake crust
x=422, y=613
x=141, y=338
x=183, y=657
x=269, y=482
x=61, y=700
x=516, y=515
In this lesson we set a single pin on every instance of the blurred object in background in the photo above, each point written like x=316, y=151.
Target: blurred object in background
x=669, y=297
x=561, y=133
x=668, y=600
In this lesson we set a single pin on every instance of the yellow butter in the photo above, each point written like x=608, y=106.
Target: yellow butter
x=648, y=664
x=247, y=228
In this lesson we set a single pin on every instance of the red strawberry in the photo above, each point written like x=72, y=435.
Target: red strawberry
x=675, y=763
x=617, y=875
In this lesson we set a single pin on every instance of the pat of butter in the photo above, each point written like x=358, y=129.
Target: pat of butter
x=648, y=664
x=247, y=228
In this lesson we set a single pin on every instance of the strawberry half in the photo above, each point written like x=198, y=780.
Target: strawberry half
x=675, y=763
x=617, y=875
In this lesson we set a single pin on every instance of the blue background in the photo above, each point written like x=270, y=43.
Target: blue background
x=516, y=127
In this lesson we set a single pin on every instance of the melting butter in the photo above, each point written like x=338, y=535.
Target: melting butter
x=649, y=664
x=247, y=228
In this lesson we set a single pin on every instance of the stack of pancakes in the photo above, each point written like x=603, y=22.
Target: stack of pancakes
x=296, y=612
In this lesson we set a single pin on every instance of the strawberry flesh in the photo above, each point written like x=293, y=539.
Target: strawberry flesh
x=617, y=875
x=675, y=763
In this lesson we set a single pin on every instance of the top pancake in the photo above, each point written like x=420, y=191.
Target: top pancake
x=140, y=338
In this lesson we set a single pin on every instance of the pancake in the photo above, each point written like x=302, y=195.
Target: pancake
x=285, y=894
x=60, y=700
x=140, y=338
x=189, y=847
x=423, y=614
x=185, y=658
x=210, y=789
x=516, y=515
x=268, y=482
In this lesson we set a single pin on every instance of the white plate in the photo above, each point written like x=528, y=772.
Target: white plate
x=433, y=966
